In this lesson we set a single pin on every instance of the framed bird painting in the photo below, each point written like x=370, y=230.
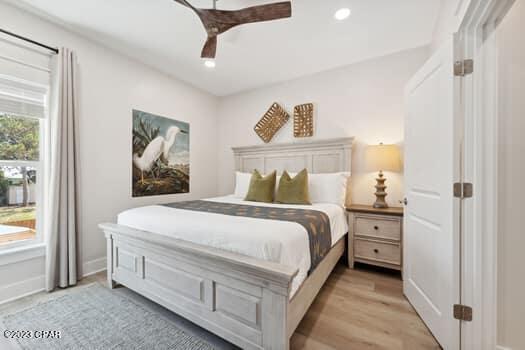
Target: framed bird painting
x=160, y=156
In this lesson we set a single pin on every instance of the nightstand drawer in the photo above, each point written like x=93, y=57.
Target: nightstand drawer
x=377, y=251
x=377, y=227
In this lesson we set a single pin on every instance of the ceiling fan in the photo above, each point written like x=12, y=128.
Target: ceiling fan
x=218, y=21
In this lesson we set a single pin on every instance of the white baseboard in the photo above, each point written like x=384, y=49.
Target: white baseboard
x=34, y=285
x=94, y=266
x=499, y=347
x=21, y=289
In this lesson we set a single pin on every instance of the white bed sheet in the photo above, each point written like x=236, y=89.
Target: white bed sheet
x=283, y=242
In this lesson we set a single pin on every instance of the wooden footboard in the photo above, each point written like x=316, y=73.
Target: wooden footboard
x=241, y=299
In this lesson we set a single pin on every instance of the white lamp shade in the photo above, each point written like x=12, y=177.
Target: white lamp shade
x=383, y=157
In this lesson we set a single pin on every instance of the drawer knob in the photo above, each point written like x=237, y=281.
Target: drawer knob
x=376, y=227
x=376, y=251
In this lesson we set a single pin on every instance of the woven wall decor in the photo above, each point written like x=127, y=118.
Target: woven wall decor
x=303, y=120
x=271, y=122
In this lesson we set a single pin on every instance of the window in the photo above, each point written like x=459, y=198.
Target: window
x=22, y=131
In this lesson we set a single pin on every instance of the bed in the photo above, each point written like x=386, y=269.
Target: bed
x=250, y=289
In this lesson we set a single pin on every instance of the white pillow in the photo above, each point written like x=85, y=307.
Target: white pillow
x=327, y=188
x=242, y=183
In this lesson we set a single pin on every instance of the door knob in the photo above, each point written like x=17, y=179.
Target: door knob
x=405, y=201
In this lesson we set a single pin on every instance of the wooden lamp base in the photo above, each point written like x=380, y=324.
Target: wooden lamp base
x=380, y=191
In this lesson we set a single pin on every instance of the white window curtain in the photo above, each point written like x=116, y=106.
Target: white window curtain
x=61, y=219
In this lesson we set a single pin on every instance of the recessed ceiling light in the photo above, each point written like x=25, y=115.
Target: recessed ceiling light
x=342, y=14
x=209, y=63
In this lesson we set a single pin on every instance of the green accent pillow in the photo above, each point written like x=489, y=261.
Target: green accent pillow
x=261, y=189
x=293, y=191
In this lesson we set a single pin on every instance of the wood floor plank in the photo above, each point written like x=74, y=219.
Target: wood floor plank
x=299, y=341
x=362, y=309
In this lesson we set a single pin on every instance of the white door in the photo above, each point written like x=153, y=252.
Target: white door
x=431, y=234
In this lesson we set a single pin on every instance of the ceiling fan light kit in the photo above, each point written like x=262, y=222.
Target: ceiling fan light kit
x=217, y=22
x=342, y=14
x=209, y=63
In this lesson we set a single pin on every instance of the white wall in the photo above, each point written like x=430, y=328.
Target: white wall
x=111, y=85
x=449, y=20
x=511, y=233
x=364, y=100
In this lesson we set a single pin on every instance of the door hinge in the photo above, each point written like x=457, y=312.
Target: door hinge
x=463, y=190
x=462, y=312
x=462, y=68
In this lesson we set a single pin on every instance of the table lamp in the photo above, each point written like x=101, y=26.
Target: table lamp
x=382, y=158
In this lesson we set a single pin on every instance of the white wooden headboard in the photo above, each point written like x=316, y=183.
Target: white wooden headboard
x=320, y=156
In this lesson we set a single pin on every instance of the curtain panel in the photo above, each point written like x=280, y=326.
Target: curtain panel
x=61, y=218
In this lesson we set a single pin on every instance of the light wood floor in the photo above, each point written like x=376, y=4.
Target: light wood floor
x=362, y=309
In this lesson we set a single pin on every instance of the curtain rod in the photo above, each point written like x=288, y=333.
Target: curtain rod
x=53, y=49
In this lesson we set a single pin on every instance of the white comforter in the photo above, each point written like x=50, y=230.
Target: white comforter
x=272, y=240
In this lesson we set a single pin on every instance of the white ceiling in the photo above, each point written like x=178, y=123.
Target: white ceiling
x=168, y=36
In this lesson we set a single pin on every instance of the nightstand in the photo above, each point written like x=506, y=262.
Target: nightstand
x=375, y=236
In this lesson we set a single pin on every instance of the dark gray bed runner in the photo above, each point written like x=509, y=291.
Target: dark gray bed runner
x=316, y=223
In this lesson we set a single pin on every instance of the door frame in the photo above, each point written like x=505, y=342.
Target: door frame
x=480, y=160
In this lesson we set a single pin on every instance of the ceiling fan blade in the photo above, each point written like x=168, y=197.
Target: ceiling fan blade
x=252, y=14
x=210, y=47
x=218, y=21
